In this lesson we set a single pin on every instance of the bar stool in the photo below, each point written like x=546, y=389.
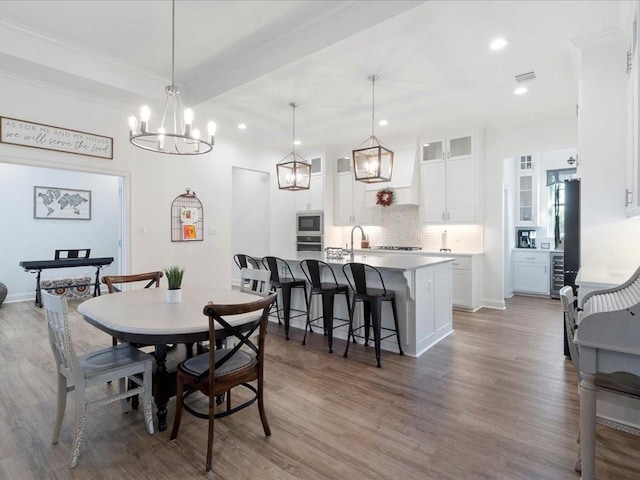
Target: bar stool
x=246, y=261
x=315, y=270
x=282, y=278
x=371, y=299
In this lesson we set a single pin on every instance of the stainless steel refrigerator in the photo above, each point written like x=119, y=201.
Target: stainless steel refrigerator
x=571, y=239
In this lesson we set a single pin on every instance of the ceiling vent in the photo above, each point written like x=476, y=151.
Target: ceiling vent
x=526, y=77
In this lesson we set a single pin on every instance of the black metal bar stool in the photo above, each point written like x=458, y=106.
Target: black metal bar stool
x=316, y=271
x=246, y=261
x=282, y=278
x=371, y=299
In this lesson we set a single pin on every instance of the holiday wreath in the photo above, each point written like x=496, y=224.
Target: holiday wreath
x=384, y=197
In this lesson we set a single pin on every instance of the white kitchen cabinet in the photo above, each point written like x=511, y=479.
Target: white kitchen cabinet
x=466, y=276
x=433, y=193
x=531, y=272
x=313, y=198
x=350, y=208
x=449, y=191
x=527, y=191
x=466, y=273
x=448, y=148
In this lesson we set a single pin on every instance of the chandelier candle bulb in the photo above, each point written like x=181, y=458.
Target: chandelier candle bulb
x=211, y=130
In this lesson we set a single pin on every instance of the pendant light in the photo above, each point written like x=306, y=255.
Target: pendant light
x=294, y=172
x=372, y=161
x=175, y=135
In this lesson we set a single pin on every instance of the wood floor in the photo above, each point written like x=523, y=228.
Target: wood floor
x=495, y=400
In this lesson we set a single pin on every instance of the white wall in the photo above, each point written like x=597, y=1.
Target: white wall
x=609, y=240
x=152, y=181
x=26, y=238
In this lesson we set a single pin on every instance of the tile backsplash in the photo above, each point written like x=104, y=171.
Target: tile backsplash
x=400, y=227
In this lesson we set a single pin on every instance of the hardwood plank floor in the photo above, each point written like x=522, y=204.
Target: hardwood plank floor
x=495, y=400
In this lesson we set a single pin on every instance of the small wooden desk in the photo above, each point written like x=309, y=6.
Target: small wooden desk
x=143, y=316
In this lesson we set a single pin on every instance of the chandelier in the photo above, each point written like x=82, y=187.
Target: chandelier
x=294, y=172
x=372, y=161
x=175, y=136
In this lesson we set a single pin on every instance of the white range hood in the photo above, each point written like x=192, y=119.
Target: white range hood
x=404, y=180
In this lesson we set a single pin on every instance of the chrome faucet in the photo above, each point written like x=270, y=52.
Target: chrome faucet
x=363, y=237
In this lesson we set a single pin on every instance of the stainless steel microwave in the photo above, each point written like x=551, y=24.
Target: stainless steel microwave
x=309, y=223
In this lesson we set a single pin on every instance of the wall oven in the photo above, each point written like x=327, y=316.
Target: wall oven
x=309, y=243
x=309, y=223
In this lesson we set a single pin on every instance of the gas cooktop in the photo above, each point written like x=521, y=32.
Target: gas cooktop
x=396, y=248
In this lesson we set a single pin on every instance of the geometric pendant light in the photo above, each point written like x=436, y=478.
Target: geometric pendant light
x=372, y=161
x=294, y=172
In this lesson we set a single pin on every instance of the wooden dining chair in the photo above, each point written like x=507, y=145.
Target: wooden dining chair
x=152, y=279
x=112, y=282
x=217, y=372
x=255, y=281
x=96, y=368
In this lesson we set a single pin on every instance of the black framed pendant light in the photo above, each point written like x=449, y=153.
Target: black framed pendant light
x=294, y=172
x=372, y=161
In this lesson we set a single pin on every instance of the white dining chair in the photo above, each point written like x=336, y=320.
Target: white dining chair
x=78, y=373
x=255, y=281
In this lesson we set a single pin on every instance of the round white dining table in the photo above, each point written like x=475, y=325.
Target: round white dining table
x=144, y=317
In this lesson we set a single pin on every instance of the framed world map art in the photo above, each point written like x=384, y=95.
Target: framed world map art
x=56, y=203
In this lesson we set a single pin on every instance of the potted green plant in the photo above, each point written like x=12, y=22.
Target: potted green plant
x=174, y=276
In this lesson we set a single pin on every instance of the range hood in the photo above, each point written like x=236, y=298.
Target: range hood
x=404, y=180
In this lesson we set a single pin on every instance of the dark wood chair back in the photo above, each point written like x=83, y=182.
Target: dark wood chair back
x=152, y=278
x=73, y=253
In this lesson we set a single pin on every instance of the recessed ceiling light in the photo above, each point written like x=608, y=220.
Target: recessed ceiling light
x=242, y=126
x=521, y=90
x=498, y=43
x=296, y=142
x=425, y=144
x=383, y=123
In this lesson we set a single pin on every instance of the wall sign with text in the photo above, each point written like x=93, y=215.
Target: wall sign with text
x=47, y=137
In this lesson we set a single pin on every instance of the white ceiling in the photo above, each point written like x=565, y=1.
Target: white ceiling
x=245, y=61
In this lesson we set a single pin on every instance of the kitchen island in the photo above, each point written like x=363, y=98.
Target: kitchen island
x=422, y=285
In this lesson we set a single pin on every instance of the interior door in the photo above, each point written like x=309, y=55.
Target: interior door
x=250, y=220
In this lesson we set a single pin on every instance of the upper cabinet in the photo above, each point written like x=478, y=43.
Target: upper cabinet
x=350, y=206
x=313, y=198
x=527, y=191
x=449, y=180
x=632, y=195
x=448, y=148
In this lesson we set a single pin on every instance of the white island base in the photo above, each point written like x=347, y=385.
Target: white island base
x=422, y=285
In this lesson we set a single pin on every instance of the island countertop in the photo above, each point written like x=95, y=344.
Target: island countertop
x=381, y=261
x=422, y=288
